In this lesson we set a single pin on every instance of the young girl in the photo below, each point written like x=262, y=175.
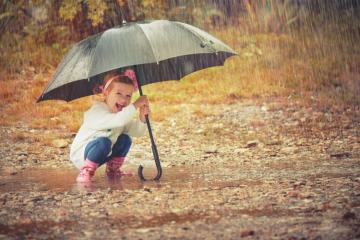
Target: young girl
x=104, y=136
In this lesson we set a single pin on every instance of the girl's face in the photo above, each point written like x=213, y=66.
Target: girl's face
x=118, y=96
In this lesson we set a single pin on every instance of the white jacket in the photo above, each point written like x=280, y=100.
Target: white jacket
x=100, y=122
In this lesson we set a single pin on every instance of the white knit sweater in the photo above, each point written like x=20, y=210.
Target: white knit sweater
x=100, y=122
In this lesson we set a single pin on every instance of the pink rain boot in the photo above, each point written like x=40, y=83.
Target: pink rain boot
x=113, y=168
x=87, y=172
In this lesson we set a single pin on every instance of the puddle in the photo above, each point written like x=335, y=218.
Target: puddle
x=64, y=180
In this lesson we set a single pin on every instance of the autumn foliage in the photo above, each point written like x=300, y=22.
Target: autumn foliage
x=306, y=50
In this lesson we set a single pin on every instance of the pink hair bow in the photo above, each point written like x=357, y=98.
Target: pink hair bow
x=131, y=74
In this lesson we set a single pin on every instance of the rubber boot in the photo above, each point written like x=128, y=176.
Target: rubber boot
x=87, y=172
x=113, y=168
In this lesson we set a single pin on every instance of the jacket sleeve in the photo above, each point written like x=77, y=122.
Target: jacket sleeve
x=99, y=118
x=135, y=128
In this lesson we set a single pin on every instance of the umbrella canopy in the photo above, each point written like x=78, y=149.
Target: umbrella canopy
x=157, y=50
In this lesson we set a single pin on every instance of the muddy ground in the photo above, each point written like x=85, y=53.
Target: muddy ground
x=257, y=169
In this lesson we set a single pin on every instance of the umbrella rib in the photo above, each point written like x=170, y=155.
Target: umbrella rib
x=197, y=35
x=92, y=59
x=146, y=36
x=61, y=64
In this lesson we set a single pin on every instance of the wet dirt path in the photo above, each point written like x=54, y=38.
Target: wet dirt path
x=251, y=170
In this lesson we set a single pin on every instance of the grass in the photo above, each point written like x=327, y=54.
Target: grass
x=301, y=65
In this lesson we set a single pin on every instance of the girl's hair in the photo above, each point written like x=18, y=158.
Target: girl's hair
x=112, y=77
x=115, y=76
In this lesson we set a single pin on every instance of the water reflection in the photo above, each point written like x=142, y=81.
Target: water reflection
x=59, y=180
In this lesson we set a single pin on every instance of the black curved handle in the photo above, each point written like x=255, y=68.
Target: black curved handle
x=153, y=147
x=156, y=157
x=142, y=178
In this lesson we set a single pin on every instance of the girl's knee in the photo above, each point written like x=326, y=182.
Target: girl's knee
x=122, y=145
x=104, y=143
x=98, y=149
x=126, y=139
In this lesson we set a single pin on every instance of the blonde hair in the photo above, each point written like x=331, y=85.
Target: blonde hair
x=114, y=76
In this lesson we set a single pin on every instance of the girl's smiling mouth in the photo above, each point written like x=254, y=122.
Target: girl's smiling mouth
x=119, y=107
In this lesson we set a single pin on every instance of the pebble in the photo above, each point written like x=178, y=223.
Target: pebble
x=289, y=150
x=59, y=143
x=349, y=216
x=211, y=150
x=247, y=233
x=251, y=144
x=143, y=230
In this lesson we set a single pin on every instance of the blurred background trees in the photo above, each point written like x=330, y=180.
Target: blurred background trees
x=76, y=19
x=290, y=43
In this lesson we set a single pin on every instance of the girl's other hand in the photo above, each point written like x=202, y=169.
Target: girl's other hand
x=142, y=101
x=145, y=110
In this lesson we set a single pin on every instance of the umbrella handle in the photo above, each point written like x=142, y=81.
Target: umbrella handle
x=153, y=147
x=155, y=154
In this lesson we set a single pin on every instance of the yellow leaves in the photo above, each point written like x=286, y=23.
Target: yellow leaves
x=96, y=10
x=149, y=3
x=69, y=8
x=153, y=4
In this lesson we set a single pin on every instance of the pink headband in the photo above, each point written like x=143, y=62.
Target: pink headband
x=128, y=73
